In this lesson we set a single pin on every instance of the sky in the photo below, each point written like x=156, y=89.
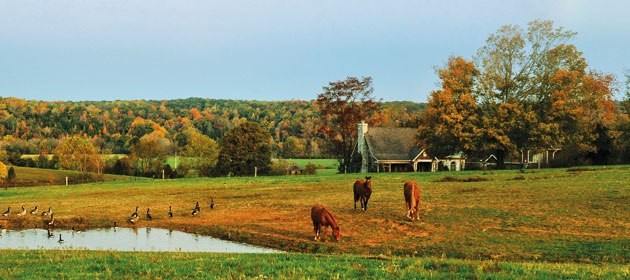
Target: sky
x=271, y=50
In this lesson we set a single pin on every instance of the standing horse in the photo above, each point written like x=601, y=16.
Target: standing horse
x=362, y=192
x=412, y=199
x=322, y=218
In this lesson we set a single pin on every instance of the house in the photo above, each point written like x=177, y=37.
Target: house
x=386, y=149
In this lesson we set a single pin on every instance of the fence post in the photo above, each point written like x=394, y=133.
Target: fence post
x=255, y=171
x=66, y=181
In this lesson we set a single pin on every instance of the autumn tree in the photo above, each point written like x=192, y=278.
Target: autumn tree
x=518, y=88
x=342, y=106
x=244, y=148
x=4, y=173
x=150, y=152
x=202, y=151
x=77, y=153
x=451, y=120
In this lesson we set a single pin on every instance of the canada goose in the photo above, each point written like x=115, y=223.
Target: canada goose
x=60, y=240
x=170, y=212
x=149, y=215
x=34, y=211
x=195, y=212
x=133, y=220
x=50, y=234
x=52, y=220
x=211, y=203
x=115, y=226
x=23, y=212
x=7, y=213
x=135, y=213
x=46, y=213
x=197, y=207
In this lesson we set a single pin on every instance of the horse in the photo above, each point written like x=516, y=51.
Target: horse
x=412, y=199
x=362, y=192
x=322, y=218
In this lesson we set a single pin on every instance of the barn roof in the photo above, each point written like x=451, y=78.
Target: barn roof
x=387, y=143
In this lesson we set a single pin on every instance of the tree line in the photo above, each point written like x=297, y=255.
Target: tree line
x=148, y=131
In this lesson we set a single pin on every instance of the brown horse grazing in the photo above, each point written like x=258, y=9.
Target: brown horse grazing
x=322, y=218
x=412, y=199
x=362, y=192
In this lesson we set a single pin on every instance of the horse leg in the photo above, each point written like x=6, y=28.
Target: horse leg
x=316, y=228
x=365, y=204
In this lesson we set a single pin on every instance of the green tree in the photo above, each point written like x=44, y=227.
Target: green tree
x=11, y=174
x=342, y=106
x=244, y=148
x=77, y=153
x=202, y=151
x=450, y=122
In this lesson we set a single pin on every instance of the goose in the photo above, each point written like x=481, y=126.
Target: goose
x=50, y=234
x=149, y=218
x=134, y=216
x=135, y=213
x=115, y=226
x=170, y=212
x=46, y=213
x=133, y=220
x=23, y=212
x=7, y=213
x=52, y=220
x=34, y=211
x=60, y=240
x=195, y=212
x=211, y=203
x=197, y=207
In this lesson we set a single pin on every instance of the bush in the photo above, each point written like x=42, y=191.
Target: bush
x=279, y=167
x=310, y=169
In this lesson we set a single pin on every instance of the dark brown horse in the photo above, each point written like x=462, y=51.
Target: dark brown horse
x=362, y=192
x=322, y=218
x=412, y=199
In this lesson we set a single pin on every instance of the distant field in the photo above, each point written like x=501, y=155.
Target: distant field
x=26, y=176
x=472, y=223
x=324, y=163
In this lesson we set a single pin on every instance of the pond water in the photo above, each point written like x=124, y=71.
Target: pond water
x=122, y=239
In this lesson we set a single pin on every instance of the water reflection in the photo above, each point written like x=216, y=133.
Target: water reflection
x=122, y=239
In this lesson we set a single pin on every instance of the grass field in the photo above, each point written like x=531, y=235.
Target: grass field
x=26, y=176
x=138, y=265
x=562, y=222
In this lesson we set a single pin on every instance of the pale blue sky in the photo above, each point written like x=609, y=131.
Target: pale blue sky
x=269, y=50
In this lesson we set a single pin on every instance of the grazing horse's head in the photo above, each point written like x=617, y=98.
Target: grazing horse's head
x=336, y=233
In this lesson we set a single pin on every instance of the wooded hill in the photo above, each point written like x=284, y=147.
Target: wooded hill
x=35, y=127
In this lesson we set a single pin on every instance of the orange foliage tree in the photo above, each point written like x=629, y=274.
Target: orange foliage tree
x=342, y=106
x=450, y=122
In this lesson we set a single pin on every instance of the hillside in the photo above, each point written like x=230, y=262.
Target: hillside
x=36, y=126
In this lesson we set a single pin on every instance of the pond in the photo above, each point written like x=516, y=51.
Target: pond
x=122, y=239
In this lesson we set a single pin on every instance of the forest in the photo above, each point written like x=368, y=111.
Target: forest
x=31, y=127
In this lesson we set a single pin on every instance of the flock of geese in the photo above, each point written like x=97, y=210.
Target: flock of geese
x=35, y=211
x=135, y=216
x=132, y=219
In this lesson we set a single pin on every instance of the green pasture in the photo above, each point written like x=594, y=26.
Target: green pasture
x=159, y=265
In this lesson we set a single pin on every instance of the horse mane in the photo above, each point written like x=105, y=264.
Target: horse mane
x=332, y=219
